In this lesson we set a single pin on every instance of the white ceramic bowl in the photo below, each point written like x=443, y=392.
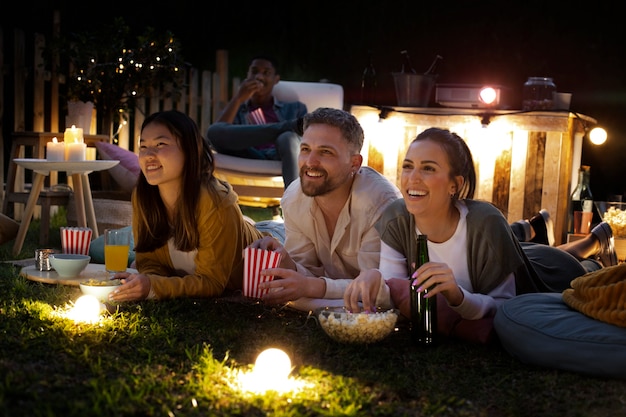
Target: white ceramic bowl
x=99, y=288
x=346, y=327
x=69, y=265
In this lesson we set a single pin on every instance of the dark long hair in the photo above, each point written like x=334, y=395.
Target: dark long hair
x=459, y=157
x=154, y=228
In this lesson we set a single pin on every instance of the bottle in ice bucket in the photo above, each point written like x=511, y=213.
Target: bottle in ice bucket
x=406, y=67
x=369, y=82
x=432, y=70
x=413, y=89
x=423, y=310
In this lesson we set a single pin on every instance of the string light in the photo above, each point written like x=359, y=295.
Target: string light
x=597, y=136
x=108, y=78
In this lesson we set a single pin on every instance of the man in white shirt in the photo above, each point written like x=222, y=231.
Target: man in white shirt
x=329, y=213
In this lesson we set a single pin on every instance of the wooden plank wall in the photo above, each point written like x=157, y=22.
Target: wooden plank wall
x=1, y=112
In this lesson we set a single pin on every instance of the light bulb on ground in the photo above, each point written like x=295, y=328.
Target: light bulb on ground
x=597, y=136
x=273, y=365
x=270, y=373
x=86, y=309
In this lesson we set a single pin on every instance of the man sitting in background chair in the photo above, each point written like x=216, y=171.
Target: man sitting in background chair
x=256, y=125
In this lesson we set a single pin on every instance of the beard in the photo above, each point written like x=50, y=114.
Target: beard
x=311, y=189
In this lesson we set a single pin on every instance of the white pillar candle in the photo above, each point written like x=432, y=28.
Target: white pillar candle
x=55, y=150
x=91, y=154
x=75, y=151
x=73, y=134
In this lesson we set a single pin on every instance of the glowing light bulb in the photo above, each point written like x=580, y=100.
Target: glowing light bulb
x=597, y=136
x=273, y=364
x=488, y=95
x=86, y=309
x=270, y=372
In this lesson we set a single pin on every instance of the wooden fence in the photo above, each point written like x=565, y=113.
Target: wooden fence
x=37, y=106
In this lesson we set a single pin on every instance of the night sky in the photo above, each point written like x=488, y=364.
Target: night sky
x=581, y=45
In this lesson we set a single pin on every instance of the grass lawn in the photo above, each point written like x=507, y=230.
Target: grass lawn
x=181, y=358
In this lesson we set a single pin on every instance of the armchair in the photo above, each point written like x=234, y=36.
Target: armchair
x=259, y=183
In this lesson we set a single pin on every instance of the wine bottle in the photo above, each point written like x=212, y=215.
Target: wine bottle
x=406, y=62
x=369, y=83
x=423, y=310
x=581, y=199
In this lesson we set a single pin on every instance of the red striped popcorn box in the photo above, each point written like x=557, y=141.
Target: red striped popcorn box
x=76, y=240
x=255, y=260
x=256, y=117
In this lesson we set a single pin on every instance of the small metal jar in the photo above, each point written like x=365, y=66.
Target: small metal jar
x=42, y=260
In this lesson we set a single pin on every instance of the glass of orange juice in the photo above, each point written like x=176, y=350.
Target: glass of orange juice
x=116, y=247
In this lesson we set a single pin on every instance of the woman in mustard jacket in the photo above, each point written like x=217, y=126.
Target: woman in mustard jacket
x=188, y=228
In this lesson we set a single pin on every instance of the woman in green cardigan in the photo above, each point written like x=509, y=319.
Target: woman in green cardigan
x=476, y=262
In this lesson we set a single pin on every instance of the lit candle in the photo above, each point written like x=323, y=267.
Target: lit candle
x=74, y=134
x=75, y=151
x=55, y=150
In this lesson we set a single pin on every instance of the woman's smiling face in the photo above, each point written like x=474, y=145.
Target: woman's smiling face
x=426, y=182
x=160, y=157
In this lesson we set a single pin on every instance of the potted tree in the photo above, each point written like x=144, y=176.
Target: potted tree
x=111, y=69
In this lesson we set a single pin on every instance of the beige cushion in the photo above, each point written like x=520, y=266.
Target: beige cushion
x=312, y=94
x=258, y=166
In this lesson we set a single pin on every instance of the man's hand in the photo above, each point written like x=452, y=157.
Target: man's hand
x=247, y=88
x=289, y=285
x=272, y=244
x=364, y=287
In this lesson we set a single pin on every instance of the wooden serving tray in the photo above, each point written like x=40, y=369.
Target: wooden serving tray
x=95, y=271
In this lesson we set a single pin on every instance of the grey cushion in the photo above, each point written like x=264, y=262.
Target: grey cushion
x=541, y=329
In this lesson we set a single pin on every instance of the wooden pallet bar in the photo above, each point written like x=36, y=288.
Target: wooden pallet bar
x=525, y=161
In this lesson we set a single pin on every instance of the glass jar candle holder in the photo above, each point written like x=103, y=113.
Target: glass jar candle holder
x=538, y=94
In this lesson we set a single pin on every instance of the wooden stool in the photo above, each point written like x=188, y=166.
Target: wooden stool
x=8, y=229
x=20, y=144
x=47, y=198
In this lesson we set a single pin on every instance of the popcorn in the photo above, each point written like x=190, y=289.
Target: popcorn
x=349, y=327
x=616, y=218
x=102, y=282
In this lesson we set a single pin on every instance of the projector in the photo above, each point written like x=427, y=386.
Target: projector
x=466, y=95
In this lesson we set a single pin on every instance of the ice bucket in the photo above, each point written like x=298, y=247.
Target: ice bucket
x=413, y=90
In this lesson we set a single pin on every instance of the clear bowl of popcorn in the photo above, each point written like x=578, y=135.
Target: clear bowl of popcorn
x=614, y=213
x=358, y=328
